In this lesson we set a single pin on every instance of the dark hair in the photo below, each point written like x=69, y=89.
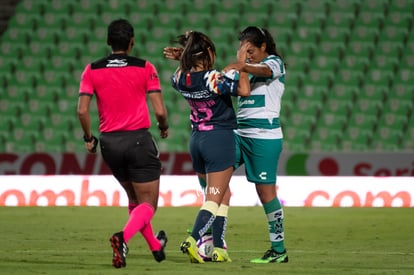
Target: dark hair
x=257, y=36
x=196, y=45
x=120, y=32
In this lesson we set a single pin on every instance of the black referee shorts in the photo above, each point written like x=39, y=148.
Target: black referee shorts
x=131, y=155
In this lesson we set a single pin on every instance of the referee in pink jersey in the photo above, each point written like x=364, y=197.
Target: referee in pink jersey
x=121, y=84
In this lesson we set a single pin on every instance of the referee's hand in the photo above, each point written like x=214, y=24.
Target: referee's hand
x=164, y=133
x=91, y=144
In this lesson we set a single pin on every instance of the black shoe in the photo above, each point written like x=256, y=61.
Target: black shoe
x=159, y=255
x=120, y=250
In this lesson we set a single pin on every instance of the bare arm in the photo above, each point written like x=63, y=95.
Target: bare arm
x=244, y=85
x=85, y=121
x=160, y=112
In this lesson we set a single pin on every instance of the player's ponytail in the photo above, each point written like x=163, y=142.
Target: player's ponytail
x=196, y=49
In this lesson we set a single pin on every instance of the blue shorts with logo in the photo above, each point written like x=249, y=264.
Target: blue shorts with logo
x=212, y=151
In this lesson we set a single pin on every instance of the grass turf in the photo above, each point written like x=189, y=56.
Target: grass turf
x=74, y=240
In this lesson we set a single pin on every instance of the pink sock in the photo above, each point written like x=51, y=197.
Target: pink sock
x=148, y=234
x=131, y=207
x=138, y=219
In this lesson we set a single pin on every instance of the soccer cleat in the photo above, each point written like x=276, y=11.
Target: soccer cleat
x=220, y=255
x=272, y=256
x=120, y=250
x=189, y=247
x=159, y=255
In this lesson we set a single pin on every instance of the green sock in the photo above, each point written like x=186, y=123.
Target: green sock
x=274, y=213
x=202, y=183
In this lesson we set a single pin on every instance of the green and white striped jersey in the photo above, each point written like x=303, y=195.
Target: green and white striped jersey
x=258, y=114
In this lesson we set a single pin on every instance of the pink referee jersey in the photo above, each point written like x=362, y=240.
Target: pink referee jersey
x=120, y=83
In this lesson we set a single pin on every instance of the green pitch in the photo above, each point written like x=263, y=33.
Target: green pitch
x=74, y=240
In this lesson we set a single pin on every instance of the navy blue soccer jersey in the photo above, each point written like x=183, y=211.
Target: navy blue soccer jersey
x=209, y=96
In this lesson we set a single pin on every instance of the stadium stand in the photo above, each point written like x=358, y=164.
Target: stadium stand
x=349, y=85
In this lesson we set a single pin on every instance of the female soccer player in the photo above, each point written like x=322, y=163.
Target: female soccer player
x=212, y=145
x=259, y=136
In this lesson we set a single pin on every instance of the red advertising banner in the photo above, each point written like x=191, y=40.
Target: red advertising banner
x=307, y=164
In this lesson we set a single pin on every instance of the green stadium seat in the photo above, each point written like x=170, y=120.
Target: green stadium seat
x=23, y=78
x=408, y=137
x=356, y=63
x=303, y=119
x=374, y=93
x=386, y=61
x=338, y=105
x=394, y=33
x=203, y=6
x=335, y=33
x=401, y=18
x=325, y=139
x=387, y=138
x=295, y=138
x=21, y=141
x=349, y=77
x=311, y=107
x=368, y=106
x=359, y=48
x=380, y=78
x=94, y=50
x=30, y=6
x=39, y=108
x=25, y=21
x=39, y=48
x=334, y=121
x=365, y=33
x=17, y=36
x=356, y=139
x=24, y=133
x=340, y=18
x=75, y=34
x=279, y=34
x=369, y=18
x=331, y=48
x=34, y=63
x=53, y=78
x=345, y=6
x=389, y=47
x=398, y=106
x=302, y=48
x=54, y=138
x=60, y=6
x=293, y=6
x=6, y=120
x=315, y=5
x=83, y=20
x=362, y=120
x=311, y=18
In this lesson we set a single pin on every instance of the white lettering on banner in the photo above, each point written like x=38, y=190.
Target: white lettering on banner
x=185, y=191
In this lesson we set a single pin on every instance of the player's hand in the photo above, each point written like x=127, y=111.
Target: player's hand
x=242, y=52
x=241, y=59
x=173, y=53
